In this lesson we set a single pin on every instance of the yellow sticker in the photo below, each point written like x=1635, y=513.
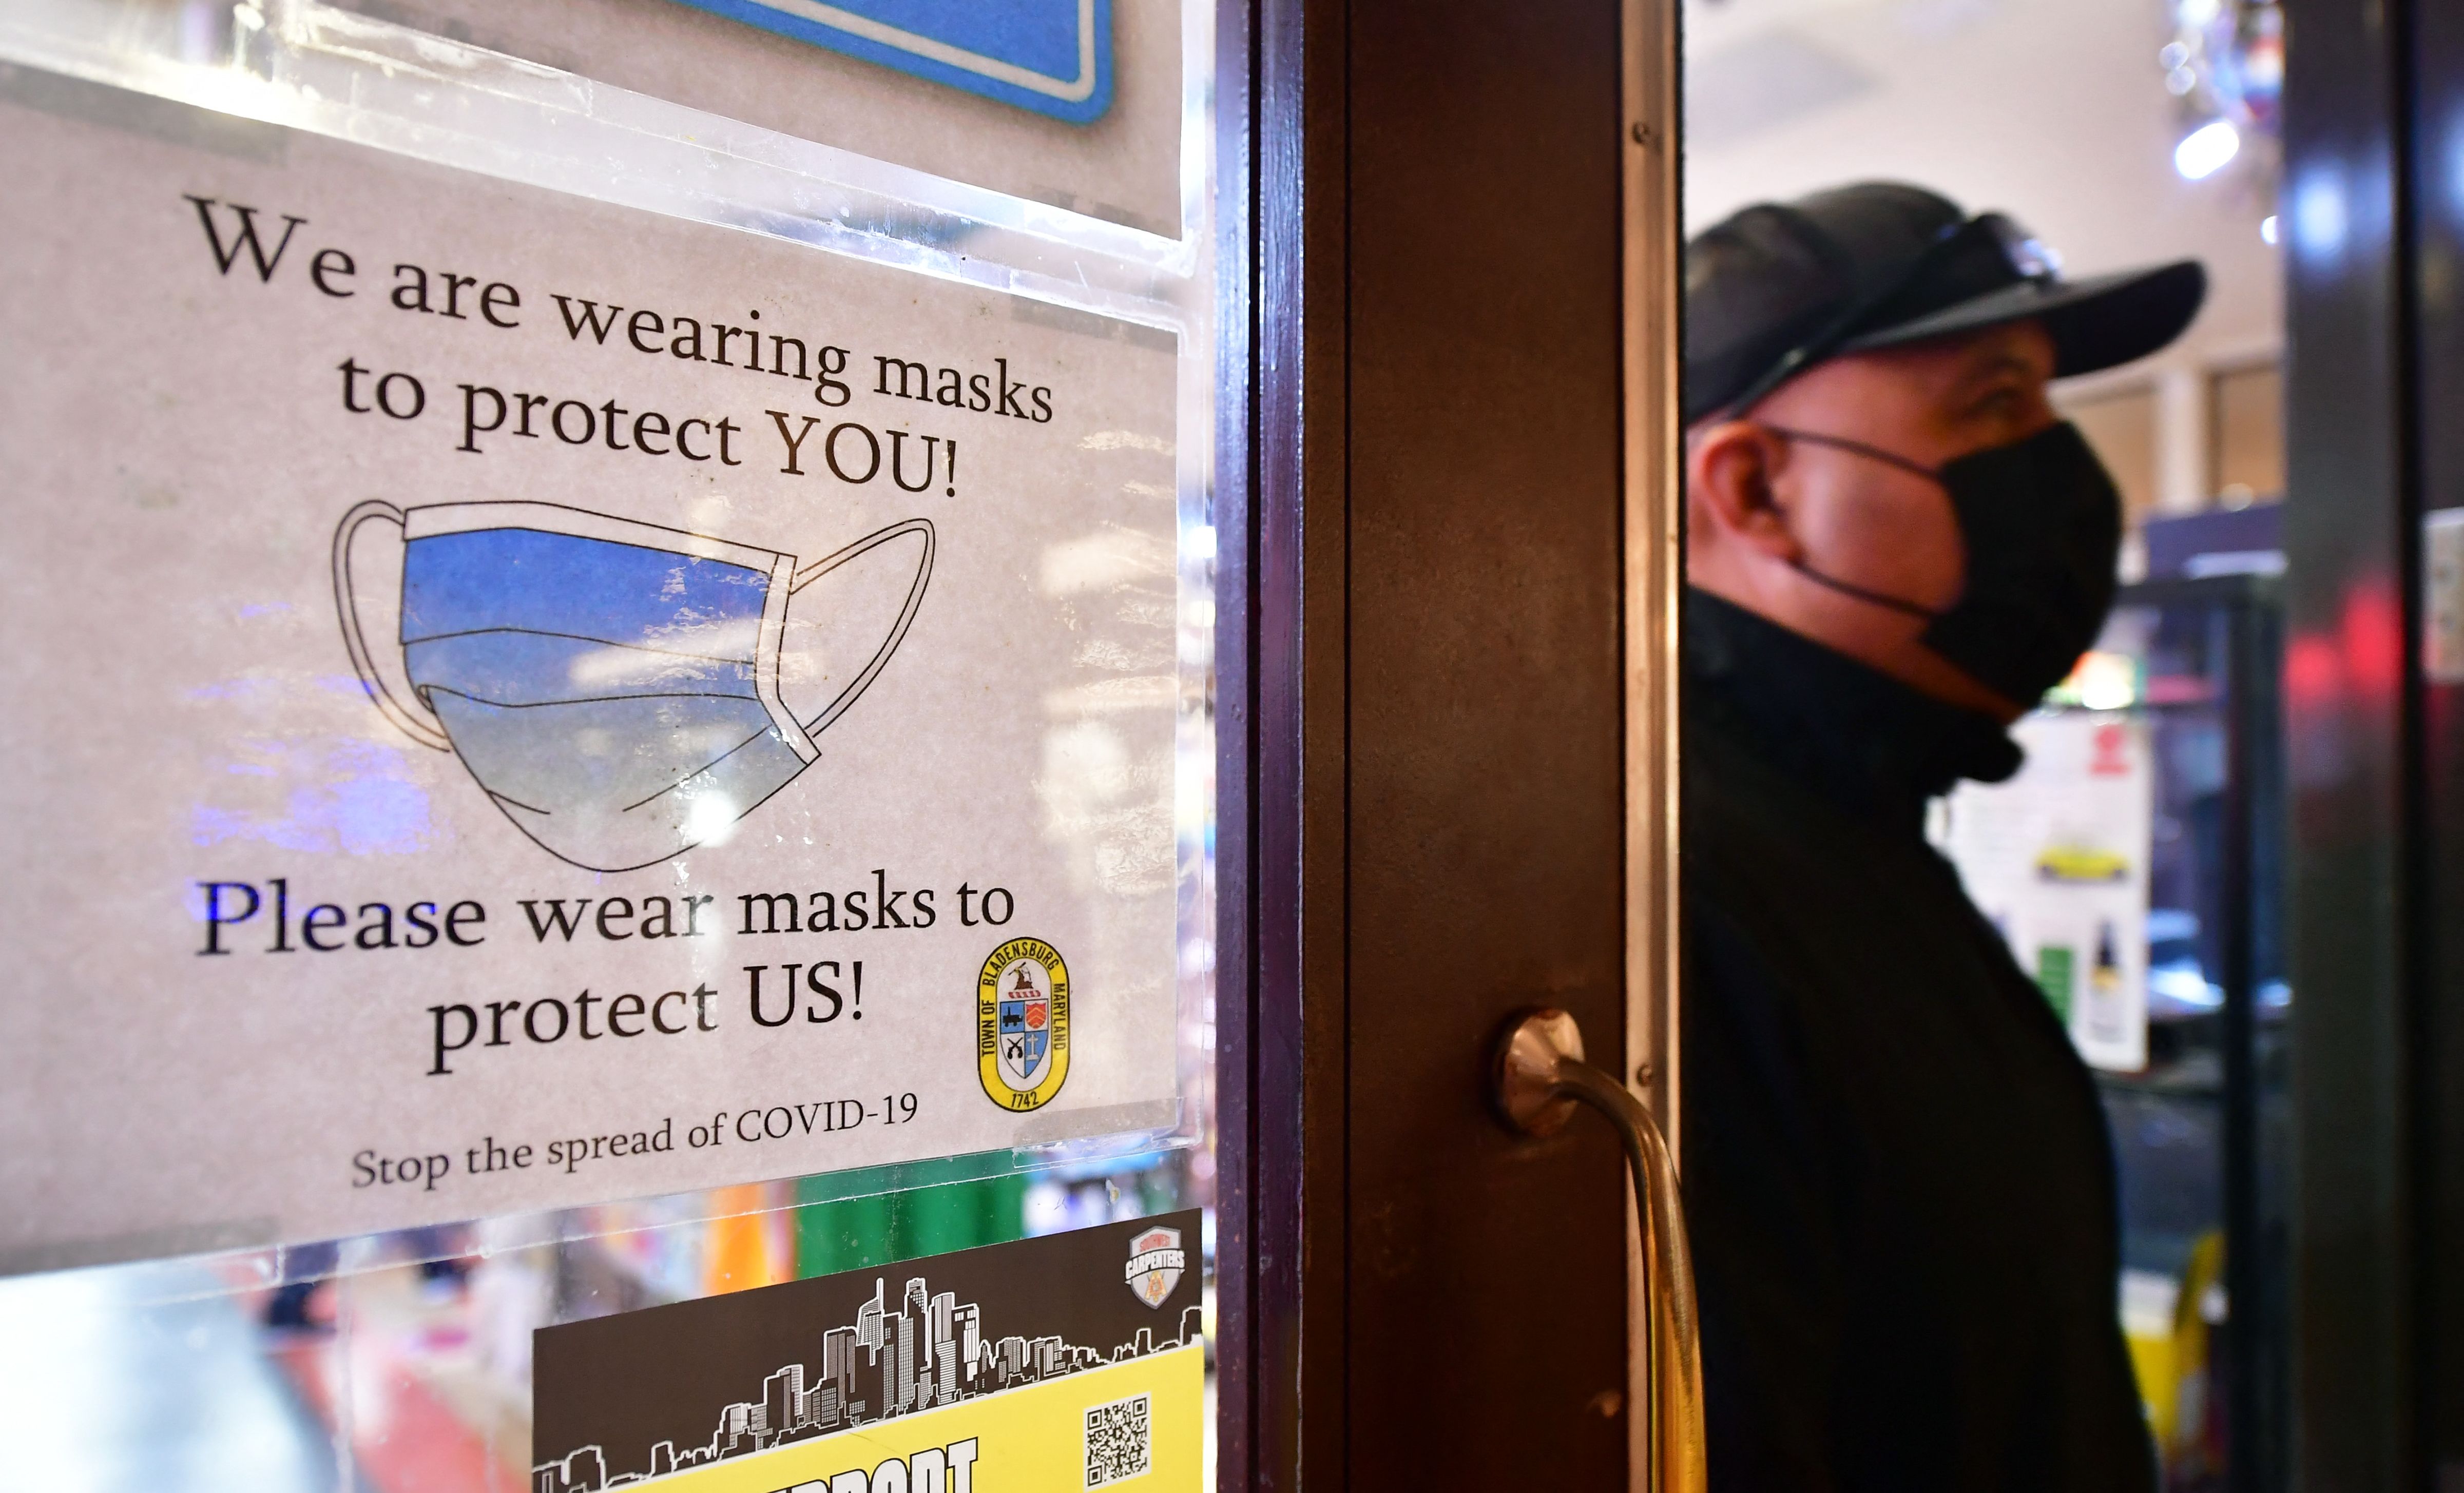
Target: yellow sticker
x=1086, y=1430
x=1023, y=1025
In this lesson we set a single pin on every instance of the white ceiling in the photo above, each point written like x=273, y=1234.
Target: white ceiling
x=2054, y=111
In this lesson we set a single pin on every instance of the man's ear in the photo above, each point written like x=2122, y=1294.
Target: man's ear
x=1731, y=470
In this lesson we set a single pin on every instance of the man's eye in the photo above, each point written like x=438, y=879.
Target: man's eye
x=2002, y=402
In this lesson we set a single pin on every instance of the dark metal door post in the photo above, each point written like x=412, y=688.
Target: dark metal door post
x=2373, y=209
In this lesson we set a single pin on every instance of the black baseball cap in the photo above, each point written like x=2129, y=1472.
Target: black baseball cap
x=1778, y=287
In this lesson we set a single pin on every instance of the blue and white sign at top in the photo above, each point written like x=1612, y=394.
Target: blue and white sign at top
x=1052, y=56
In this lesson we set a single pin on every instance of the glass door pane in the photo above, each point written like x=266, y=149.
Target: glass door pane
x=617, y=665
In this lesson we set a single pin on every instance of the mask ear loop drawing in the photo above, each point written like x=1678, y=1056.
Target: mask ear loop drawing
x=421, y=725
x=906, y=616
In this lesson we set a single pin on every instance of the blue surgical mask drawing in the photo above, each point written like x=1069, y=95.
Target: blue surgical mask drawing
x=614, y=685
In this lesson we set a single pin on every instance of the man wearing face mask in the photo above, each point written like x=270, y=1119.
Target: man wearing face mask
x=1897, y=1174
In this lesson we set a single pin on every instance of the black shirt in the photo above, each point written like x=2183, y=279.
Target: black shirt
x=1897, y=1177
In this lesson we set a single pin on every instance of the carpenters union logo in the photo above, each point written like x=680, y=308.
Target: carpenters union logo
x=1155, y=1263
x=1023, y=1025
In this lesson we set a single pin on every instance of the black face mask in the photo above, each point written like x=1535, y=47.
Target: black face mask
x=2041, y=521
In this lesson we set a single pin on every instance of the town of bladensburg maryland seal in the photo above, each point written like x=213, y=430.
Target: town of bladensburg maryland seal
x=1023, y=1025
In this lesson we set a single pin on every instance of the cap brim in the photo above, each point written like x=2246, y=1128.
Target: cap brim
x=2096, y=323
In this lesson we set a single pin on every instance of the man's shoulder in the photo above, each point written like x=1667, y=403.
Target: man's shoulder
x=1775, y=871
x=1743, y=816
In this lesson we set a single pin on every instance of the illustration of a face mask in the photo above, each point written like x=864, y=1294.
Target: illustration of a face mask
x=614, y=685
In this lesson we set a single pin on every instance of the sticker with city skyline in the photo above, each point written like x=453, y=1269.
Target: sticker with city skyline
x=621, y=1399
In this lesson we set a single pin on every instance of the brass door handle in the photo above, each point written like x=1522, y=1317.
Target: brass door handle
x=1538, y=1078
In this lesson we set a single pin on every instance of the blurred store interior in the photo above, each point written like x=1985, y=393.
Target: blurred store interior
x=2122, y=133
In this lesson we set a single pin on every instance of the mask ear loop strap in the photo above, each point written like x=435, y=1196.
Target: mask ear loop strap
x=1860, y=593
x=420, y=725
x=1856, y=448
x=1849, y=588
x=906, y=615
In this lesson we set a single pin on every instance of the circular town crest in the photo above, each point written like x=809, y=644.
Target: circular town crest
x=1023, y=1025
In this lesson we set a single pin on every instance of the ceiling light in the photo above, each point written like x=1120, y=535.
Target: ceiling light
x=2205, y=150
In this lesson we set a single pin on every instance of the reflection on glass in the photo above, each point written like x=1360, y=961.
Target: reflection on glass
x=402, y=1361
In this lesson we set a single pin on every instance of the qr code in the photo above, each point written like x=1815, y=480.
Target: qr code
x=1116, y=1441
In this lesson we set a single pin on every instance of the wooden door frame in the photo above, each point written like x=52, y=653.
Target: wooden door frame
x=1285, y=112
